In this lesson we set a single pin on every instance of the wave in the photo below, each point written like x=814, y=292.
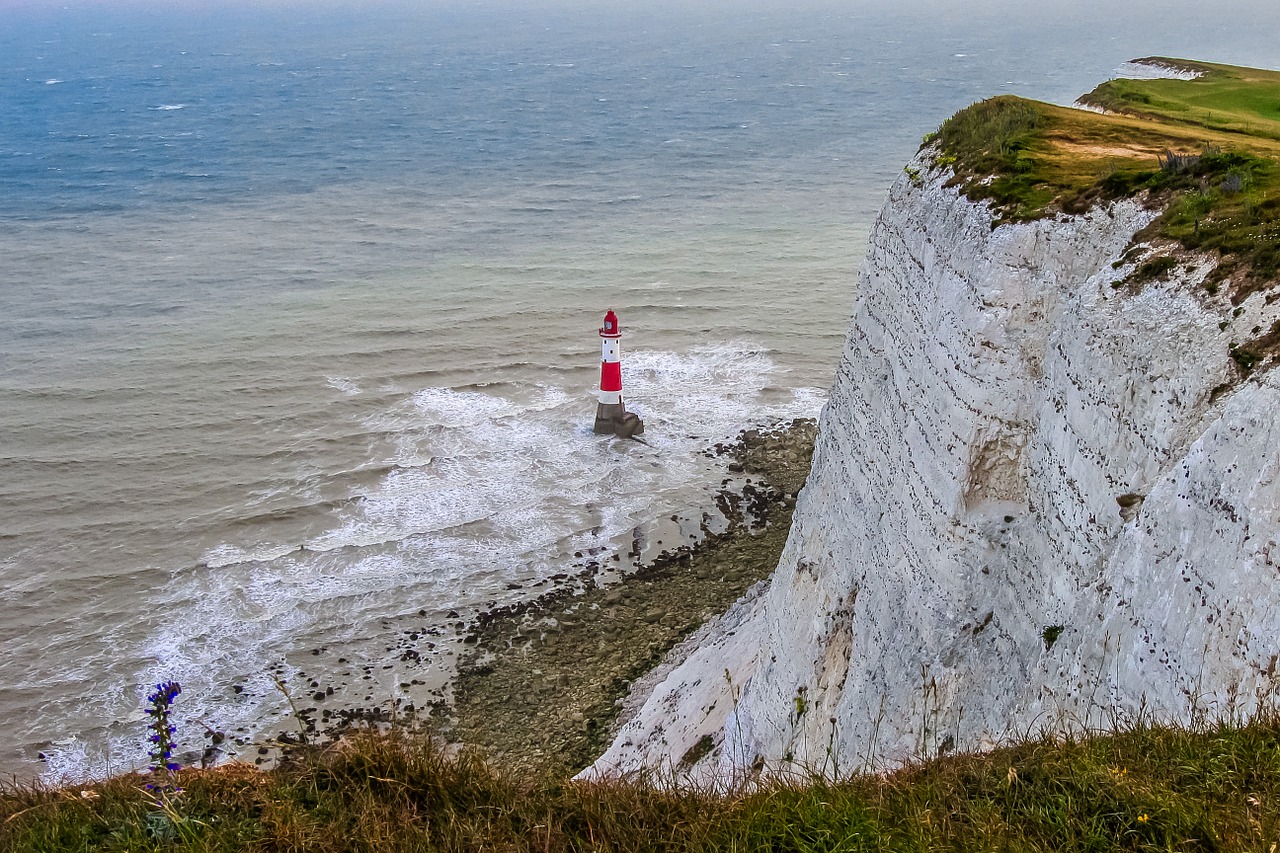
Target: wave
x=522, y=460
x=343, y=384
x=293, y=512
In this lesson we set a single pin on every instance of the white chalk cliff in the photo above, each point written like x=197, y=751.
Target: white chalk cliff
x=1037, y=501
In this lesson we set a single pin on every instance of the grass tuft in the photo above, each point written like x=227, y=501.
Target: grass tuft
x=1147, y=788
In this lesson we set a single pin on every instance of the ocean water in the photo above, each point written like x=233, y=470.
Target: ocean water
x=298, y=311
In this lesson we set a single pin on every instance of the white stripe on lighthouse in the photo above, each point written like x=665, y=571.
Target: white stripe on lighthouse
x=610, y=357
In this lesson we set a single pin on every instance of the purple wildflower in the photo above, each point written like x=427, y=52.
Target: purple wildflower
x=162, y=730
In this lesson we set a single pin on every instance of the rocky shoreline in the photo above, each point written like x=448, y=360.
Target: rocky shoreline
x=541, y=686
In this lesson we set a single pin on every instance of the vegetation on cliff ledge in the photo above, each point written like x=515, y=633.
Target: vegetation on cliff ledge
x=1144, y=789
x=1205, y=151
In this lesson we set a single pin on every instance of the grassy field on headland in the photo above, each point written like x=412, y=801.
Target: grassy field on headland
x=1144, y=789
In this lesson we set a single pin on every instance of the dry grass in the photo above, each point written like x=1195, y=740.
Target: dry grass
x=1147, y=788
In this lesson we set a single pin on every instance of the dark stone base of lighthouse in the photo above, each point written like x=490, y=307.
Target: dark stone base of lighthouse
x=608, y=414
x=614, y=418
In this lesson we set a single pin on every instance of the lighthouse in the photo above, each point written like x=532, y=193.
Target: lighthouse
x=611, y=415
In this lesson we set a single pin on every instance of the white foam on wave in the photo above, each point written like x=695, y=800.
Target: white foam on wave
x=508, y=468
x=411, y=502
x=169, y=107
x=20, y=576
x=446, y=415
x=225, y=555
x=53, y=81
x=67, y=761
x=808, y=401
x=714, y=389
x=515, y=484
x=449, y=408
x=343, y=384
x=519, y=471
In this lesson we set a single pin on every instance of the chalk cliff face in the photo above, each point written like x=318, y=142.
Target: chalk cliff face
x=1037, y=500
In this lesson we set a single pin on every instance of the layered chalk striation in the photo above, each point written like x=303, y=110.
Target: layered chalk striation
x=1040, y=498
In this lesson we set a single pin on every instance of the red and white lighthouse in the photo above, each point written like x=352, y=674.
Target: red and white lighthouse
x=611, y=414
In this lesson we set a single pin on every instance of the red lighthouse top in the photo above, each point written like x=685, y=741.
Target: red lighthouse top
x=610, y=328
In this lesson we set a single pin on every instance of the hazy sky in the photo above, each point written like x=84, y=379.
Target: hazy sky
x=1252, y=21
x=1253, y=11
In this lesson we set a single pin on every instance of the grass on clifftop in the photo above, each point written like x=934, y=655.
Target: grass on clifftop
x=1223, y=98
x=1204, y=150
x=1145, y=789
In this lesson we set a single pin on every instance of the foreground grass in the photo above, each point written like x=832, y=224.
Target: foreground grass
x=1147, y=788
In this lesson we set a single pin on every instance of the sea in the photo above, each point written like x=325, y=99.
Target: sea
x=299, y=307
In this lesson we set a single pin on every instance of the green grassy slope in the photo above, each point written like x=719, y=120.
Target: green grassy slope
x=1224, y=98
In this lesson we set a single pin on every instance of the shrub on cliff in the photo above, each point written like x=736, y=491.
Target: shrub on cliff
x=987, y=136
x=988, y=145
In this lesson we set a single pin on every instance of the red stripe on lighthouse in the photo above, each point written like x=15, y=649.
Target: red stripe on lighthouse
x=610, y=376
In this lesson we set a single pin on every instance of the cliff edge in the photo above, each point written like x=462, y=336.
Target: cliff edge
x=1044, y=491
